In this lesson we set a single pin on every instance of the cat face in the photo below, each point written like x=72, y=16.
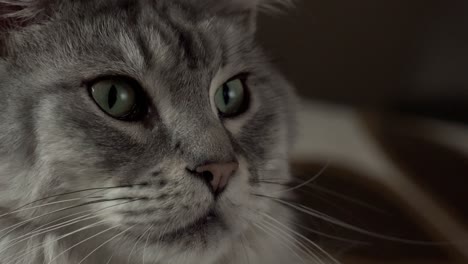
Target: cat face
x=156, y=118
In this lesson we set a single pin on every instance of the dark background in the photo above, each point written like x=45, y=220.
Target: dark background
x=402, y=58
x=396, y=55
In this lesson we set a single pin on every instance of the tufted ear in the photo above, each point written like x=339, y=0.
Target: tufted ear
x=246, y=11
x=16, y=14
x=258, y=5
x=19, y=13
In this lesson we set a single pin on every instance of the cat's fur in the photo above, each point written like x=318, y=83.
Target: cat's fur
x=55, y=140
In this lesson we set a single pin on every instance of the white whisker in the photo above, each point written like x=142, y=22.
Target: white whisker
x=342, y=239
x=136, y=243
x=48, y=225
x=50, y=242
x=146, y=244
x=25, y=237
x=282, y=240
x=81, y=242
x=348, y=199
x=110, y=258
x=106, y=242
x=18, y=225
x=322, y=216
x=39, y=206
x=244, y=242
x=315, y=177
x=325, y=253
x=305, y=249
x=22, y=208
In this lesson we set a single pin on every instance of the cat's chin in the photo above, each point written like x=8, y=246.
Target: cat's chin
x=209, y=225
x=208, y=228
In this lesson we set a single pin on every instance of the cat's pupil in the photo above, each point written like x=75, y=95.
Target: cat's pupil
x=226, y=94
x=112, y=99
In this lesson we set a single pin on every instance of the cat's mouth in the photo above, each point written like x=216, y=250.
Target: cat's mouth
x=201, y=227
x=208, y=224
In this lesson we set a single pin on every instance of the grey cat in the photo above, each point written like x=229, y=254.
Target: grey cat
x=141, y=132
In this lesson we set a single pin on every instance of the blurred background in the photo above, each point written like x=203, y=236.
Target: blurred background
x=395, y=71
x=393, y=54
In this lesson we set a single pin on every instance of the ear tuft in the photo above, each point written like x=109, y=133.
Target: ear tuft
x=275, y=5
x=247, y=5
x=17, y=13
x=265, y=5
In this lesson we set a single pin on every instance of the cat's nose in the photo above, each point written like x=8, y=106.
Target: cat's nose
x=218, y=174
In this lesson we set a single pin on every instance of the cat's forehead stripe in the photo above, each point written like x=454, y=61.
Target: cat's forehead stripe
x=183, y=36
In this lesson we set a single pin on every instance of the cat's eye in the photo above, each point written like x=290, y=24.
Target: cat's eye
x=231, y=98
x=117, y=97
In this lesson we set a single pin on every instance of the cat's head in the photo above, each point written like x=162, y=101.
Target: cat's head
x=158, y=118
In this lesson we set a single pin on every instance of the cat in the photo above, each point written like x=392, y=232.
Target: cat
x=143, y=131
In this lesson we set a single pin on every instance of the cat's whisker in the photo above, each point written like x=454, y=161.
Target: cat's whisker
x=41, y=245
x=47, y=225
x=304, y=190
x=20, y=224
x=146, y=244
x=322, y=216
x=312, y=179
x=27, y=236
x=75, y=192
x=30, y=235
x=243, y=243
x=324, y=190
x=321, y=189
x=284, y=241
x=325, y=253
x=321, y=197
x=14, y=227
x=337, y=238
x=104, y=243
x=278, y=181
x=242, y=237
x=305, y=249
x=348, y=199
x=332, y=204
x=136, y=243
x=342, y=224
x=40, y=206
x=81, y=242
x=21, y=208
x=110, y=258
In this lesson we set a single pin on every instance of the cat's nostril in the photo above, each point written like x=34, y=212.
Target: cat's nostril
x=217, y=174
x=208, y=176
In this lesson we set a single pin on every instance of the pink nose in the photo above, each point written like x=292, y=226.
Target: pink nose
x=218, y=174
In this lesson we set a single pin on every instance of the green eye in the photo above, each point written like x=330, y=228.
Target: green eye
x=118, y=98
x=231, y=98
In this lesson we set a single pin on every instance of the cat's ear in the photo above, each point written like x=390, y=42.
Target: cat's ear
x=16, y=14
x=19, y=13
x=247, y=10
x=258, y=5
